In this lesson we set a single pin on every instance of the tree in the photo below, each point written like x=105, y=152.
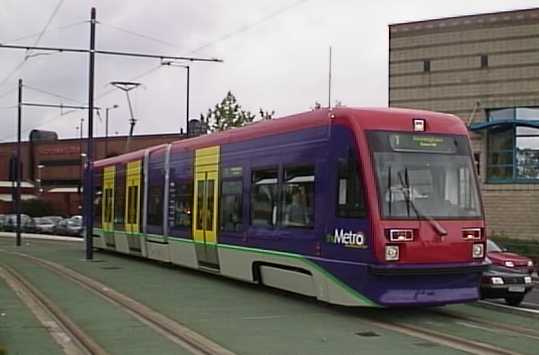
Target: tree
x=266, y=115
x=227, y=114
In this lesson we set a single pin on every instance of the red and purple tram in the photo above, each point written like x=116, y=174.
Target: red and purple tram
x=357, y=207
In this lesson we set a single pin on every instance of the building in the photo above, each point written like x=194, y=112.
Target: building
x=485, y=69
x=53, y=168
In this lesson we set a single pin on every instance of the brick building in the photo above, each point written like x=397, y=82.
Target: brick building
x=52, y=168
x=485, y=69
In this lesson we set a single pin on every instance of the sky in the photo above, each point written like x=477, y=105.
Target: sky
x=275, y=56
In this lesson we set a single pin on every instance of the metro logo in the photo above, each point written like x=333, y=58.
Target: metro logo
x=348, y=239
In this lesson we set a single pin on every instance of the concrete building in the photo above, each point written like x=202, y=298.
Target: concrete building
x=52, y=168
x=485, y=69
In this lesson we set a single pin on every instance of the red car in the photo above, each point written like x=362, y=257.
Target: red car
x=501, y=257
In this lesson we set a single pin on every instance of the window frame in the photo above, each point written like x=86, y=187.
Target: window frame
x=514, y=122
x=222, y=195
x=351, y=156
x=282, y=199
x=277, y=198
x=182, y=197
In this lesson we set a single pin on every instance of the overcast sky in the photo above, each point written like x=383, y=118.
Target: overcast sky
x=275, y=55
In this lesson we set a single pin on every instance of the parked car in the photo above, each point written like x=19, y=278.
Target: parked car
x=44, y=225
x=2, y=221
x=70, y=227
x=501, y=282
x=55, y=219
x=27, y=223
x=502, y=257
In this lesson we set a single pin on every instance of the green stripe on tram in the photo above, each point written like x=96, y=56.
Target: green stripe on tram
x=356, y=295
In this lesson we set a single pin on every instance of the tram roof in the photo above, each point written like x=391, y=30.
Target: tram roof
x=396, y=119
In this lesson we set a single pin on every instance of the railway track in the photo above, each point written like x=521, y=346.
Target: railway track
x=70, y=337
x=451, y=341
x=515, y=329
x=198, y=344
x=167, y=327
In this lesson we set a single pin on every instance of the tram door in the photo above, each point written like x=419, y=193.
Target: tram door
x=132, y=215
x=205, y=206
x=107, y=210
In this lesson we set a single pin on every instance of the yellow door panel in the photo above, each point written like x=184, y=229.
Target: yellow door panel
x=132, y=193
x=107, y=214
x=199, y=208
x=205, y=195
x=211, y=207
x=207, y=158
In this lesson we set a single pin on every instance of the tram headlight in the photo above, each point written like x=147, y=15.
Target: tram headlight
x=392, y=252
x=401, y=235
x=471, y=233
x=478, y=250
x=496, y=280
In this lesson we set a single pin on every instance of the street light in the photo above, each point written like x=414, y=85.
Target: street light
x=80, y=151
x=172, y=64
x=39, y=168
x=107, y=128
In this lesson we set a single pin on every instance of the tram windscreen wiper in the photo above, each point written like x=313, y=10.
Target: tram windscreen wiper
x=389, y=189
x=406, y=191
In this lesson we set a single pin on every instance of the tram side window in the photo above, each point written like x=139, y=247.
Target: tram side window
x=184, y=204
x=350, y=199
x=98, y=206
x=119, y=199
x=298, y=197
x=133, y=204
x=155, y=205
x=108, y=206
x=231, y=205
x=264, y=197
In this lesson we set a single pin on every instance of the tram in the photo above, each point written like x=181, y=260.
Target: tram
x=355, y=207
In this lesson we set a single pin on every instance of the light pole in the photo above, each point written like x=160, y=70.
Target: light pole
x=172, y=64
x=107, y=128
x=80, y=155
x=39, y=178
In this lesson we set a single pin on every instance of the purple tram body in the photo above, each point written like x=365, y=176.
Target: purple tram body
x=357, y=207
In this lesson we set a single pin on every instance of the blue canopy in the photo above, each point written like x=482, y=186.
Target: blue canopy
x=500, y=123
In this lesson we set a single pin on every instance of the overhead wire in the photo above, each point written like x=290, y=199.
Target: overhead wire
x=211, y=43
x=59, y=28
x=248, y=27
x=140, y=35
x=41, y=124
x=28, y=52
x=49, y=93
x=7, y=93
x=226, y=36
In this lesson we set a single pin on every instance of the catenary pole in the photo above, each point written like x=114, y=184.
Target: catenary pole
x=18, y=170
x=187, y=104
x=92, y=51
x=89, y=178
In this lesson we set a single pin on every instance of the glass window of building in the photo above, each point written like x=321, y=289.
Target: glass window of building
x=513, y=149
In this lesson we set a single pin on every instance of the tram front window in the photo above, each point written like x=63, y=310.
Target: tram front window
x=422, y=176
